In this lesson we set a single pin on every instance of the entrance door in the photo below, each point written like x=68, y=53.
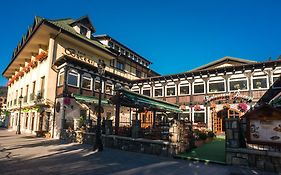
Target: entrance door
x=219, y=119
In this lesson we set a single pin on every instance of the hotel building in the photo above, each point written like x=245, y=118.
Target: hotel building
x=54, y=70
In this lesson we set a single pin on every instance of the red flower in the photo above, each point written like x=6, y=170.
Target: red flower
x=198, y=108
x=243, y=107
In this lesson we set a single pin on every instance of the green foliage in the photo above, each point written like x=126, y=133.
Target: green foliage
x=211, y=134
x=202, y=136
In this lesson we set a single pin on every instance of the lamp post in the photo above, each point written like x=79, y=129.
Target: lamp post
x=101, y=71
x=18, y=127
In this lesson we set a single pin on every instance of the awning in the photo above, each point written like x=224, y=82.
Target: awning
x=135, y=100
x=89, y=99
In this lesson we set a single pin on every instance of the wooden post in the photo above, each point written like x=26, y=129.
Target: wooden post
x=154, y=118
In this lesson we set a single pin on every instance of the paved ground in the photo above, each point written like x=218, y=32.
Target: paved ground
x=25, y=154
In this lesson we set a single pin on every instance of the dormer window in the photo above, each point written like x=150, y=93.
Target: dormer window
x=83, y=30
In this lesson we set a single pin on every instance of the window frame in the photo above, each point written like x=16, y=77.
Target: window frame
x=156, y=88
x=112, y=87
x=184, y=84
x=238, y=79
x=61, y=73
x=214, y=82
x=73, y=72
x=120, y=63
x=146, y=88
x=198, y=83
x=202, y=111
x=259, y=77
x=97, y=80
x=170, y=86
x=87, y=77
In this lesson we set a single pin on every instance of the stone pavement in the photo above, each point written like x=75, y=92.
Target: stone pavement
x=26, y=154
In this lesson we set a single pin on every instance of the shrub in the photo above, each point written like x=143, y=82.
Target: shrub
x=211, y=134
x=202, y=136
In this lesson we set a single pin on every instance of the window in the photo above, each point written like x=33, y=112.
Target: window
x=199, y=117
x=171, y=90
x=260, y=82
x=117, y=47
x=97, y=84
x=276, y=74
x=33, y=87
x=42, y=86
x=108, y=88
x=158, y=92
x=238, y=83
x=199, y=87
x=72, y=78
x=216, y=86
x=61, y=79
x=199, y=114
x=274, y=78
x=138, y=73
x=83, y=30
x=120, y=65
x=185, y=116
x=146, y=91
x=87, y=82
x=135, y=89
x=184, y=88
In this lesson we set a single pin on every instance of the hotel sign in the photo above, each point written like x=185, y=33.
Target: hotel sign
x=81, y=56
x=228, y=96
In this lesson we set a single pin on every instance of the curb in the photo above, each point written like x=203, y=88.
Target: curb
x=198, y=159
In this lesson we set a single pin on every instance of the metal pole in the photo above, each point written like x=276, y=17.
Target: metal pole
x=99, y=145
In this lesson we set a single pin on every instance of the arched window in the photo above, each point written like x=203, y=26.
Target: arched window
x=238, y=82
x=135, y=89
x=259, y=80
x=87, y=82
x=98, y=85
x=146, y=90
x=158, y=90
x=73, y=78
x=199, y=86
x=171, y=89
x=216, y=84
x=109, y=87
x=184, y=88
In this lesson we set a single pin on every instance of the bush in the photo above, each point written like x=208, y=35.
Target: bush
x=202, y=136
x=211, y=134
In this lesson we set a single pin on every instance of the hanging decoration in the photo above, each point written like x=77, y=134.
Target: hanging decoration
x=33, y=63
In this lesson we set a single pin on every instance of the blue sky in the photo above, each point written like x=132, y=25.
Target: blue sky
x=176, y=35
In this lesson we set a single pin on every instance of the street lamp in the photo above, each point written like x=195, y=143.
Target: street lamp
x=18, y=127
x=101, y=71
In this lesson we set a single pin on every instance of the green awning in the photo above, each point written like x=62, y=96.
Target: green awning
x=276, y=101
x=132, y=99
x=89, y=99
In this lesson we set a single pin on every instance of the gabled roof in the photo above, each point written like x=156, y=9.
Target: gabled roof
x=66, y=24
x=85, y=20
x=224, y=62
